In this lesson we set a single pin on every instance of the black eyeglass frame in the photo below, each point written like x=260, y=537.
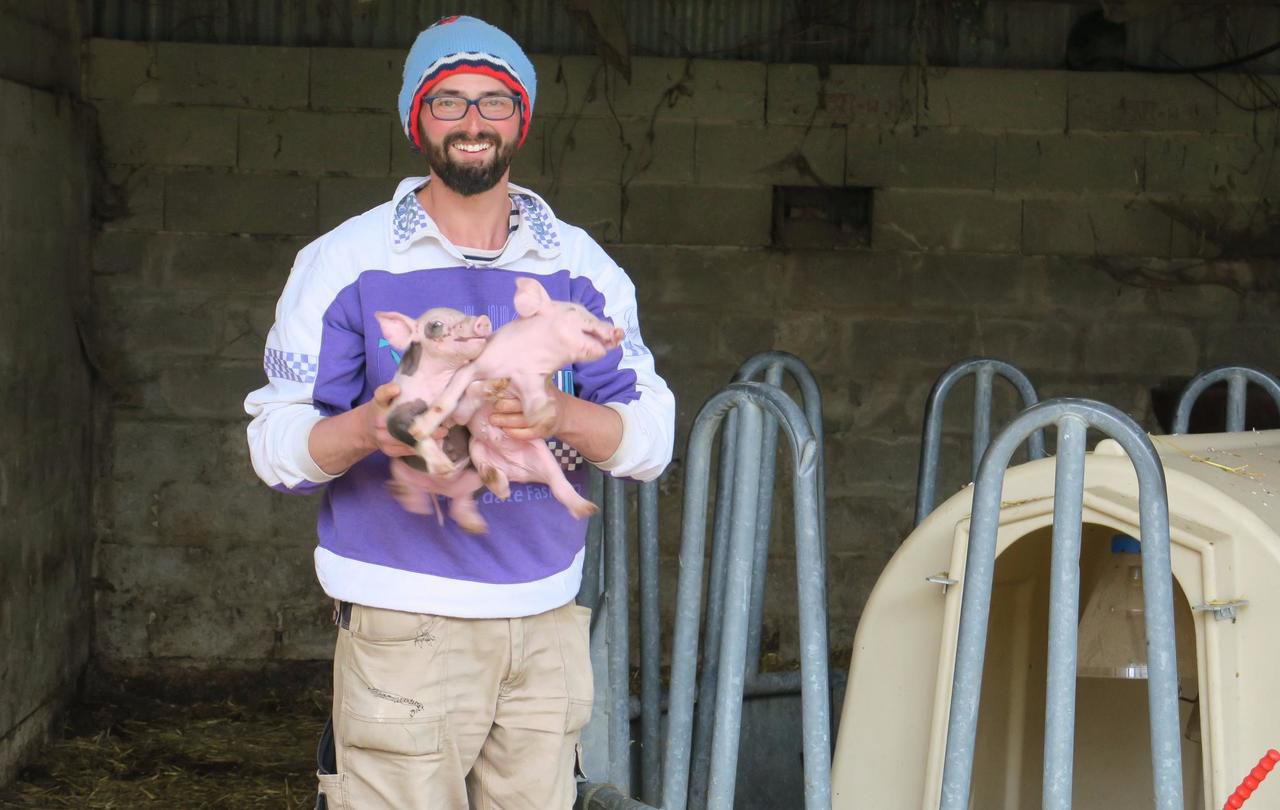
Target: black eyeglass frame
x=471, y=102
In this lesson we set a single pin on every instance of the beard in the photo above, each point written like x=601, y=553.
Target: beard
x=469, y=180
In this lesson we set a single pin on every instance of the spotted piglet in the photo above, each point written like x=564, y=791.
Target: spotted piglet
x=518, y=358
x=432, y=348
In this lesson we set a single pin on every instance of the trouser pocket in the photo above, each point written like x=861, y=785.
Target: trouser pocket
x=332, y=791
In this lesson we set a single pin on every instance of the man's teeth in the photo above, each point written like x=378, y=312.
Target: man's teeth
x=471, y=147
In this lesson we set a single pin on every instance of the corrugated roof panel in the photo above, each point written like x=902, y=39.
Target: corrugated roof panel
x=993, y=33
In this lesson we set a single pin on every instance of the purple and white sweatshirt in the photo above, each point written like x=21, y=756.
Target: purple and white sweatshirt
x=324, y=356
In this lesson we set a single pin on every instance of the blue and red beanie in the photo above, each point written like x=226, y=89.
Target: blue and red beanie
x=464, y=45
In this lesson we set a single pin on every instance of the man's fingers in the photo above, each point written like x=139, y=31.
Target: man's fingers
x=507, y=405
x=384, y=394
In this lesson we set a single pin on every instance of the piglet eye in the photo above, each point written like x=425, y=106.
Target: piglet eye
x=435, y=329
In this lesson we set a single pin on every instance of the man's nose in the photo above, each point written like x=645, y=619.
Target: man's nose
x=473, y=121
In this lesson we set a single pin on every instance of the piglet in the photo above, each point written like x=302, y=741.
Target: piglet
x=547, y=336
x=432, y=348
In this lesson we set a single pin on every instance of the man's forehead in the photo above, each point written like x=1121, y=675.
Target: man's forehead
x=469, y=84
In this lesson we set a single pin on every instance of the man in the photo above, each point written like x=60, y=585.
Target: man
x=461, y=671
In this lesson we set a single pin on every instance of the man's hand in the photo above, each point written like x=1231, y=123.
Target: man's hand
x=377, y=422
x=508, y=414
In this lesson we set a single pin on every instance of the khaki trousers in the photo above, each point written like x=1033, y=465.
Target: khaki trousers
x=438, y=713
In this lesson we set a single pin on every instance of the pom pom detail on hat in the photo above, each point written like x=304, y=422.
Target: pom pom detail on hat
x=462, y=44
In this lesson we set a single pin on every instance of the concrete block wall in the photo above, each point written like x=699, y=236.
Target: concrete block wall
x=1107, y=233
x=46, y=416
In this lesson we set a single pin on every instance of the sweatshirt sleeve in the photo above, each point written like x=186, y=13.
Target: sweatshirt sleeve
x=625, y=379
x=314, y=364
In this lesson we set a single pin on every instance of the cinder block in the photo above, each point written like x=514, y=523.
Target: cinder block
x=39, y=53
x=190, y=73
x=1221, y=227
x=680, y=215
x=772, y=155
x=119, y=71
x=880, y=96
x=356, y=79
x=130, y=198
x=1207, y=164
x=1096, y=226
x=882, y=348
x=235, y=76
x=314, y=143
x=1138, y=102
x=133, y=322
x=692, y=90
x=595, y=150
x=341, y=198
x=822, y=339
x=670, y=332
x=868, y=524
x=920, y=159
x=844, y=281
x=594, y=207
x=684, y=276
x=1251, y=343
x=575, y=86
x=584, y=150
x=173, y=136
x=660, y=89
x=1063, y=287
x=1032, y=344
x=973, y=283
x=849, y=455
x=1244, y=107
x=1125, y=346
x=1027, y=99
x=214, y=263
x=924, y=221
x=203, y=390
x=1079, y=162
x=245, y=327
x=240, y=203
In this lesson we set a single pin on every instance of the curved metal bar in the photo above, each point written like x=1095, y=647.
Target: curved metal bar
x=773, y=364
x=616, y=581
x=931, y=442
x=650, y=646
x=716, y=583
x=1237, y=378
x=812, y=597
x=1073, y=417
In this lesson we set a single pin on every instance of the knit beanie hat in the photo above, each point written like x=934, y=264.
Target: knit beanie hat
x=463, y=44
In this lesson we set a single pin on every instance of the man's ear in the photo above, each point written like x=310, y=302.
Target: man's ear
x=397, y=329
x=530, y=297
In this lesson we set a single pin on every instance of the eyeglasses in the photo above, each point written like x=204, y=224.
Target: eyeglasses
x=455, y=108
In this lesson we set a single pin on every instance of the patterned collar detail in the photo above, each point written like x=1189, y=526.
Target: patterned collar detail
x=539, y=219
x=409, y=220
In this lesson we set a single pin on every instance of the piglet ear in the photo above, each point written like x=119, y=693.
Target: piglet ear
x=397, y=329
x=530, y=297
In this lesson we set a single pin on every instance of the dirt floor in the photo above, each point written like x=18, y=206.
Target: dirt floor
x=139, y=746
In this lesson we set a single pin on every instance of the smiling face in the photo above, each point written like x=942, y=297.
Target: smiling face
x=473, y=154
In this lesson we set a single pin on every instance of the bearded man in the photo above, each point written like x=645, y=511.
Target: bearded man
x=461, y=670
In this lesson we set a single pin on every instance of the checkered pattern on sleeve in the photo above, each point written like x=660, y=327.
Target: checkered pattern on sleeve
x=293, y=366
x=569, y=458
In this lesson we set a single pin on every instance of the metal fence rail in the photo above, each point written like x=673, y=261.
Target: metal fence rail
x=748, y=400
x=772, y=365
x=984, y=371
x=1238, y=379
x=1073, y=418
